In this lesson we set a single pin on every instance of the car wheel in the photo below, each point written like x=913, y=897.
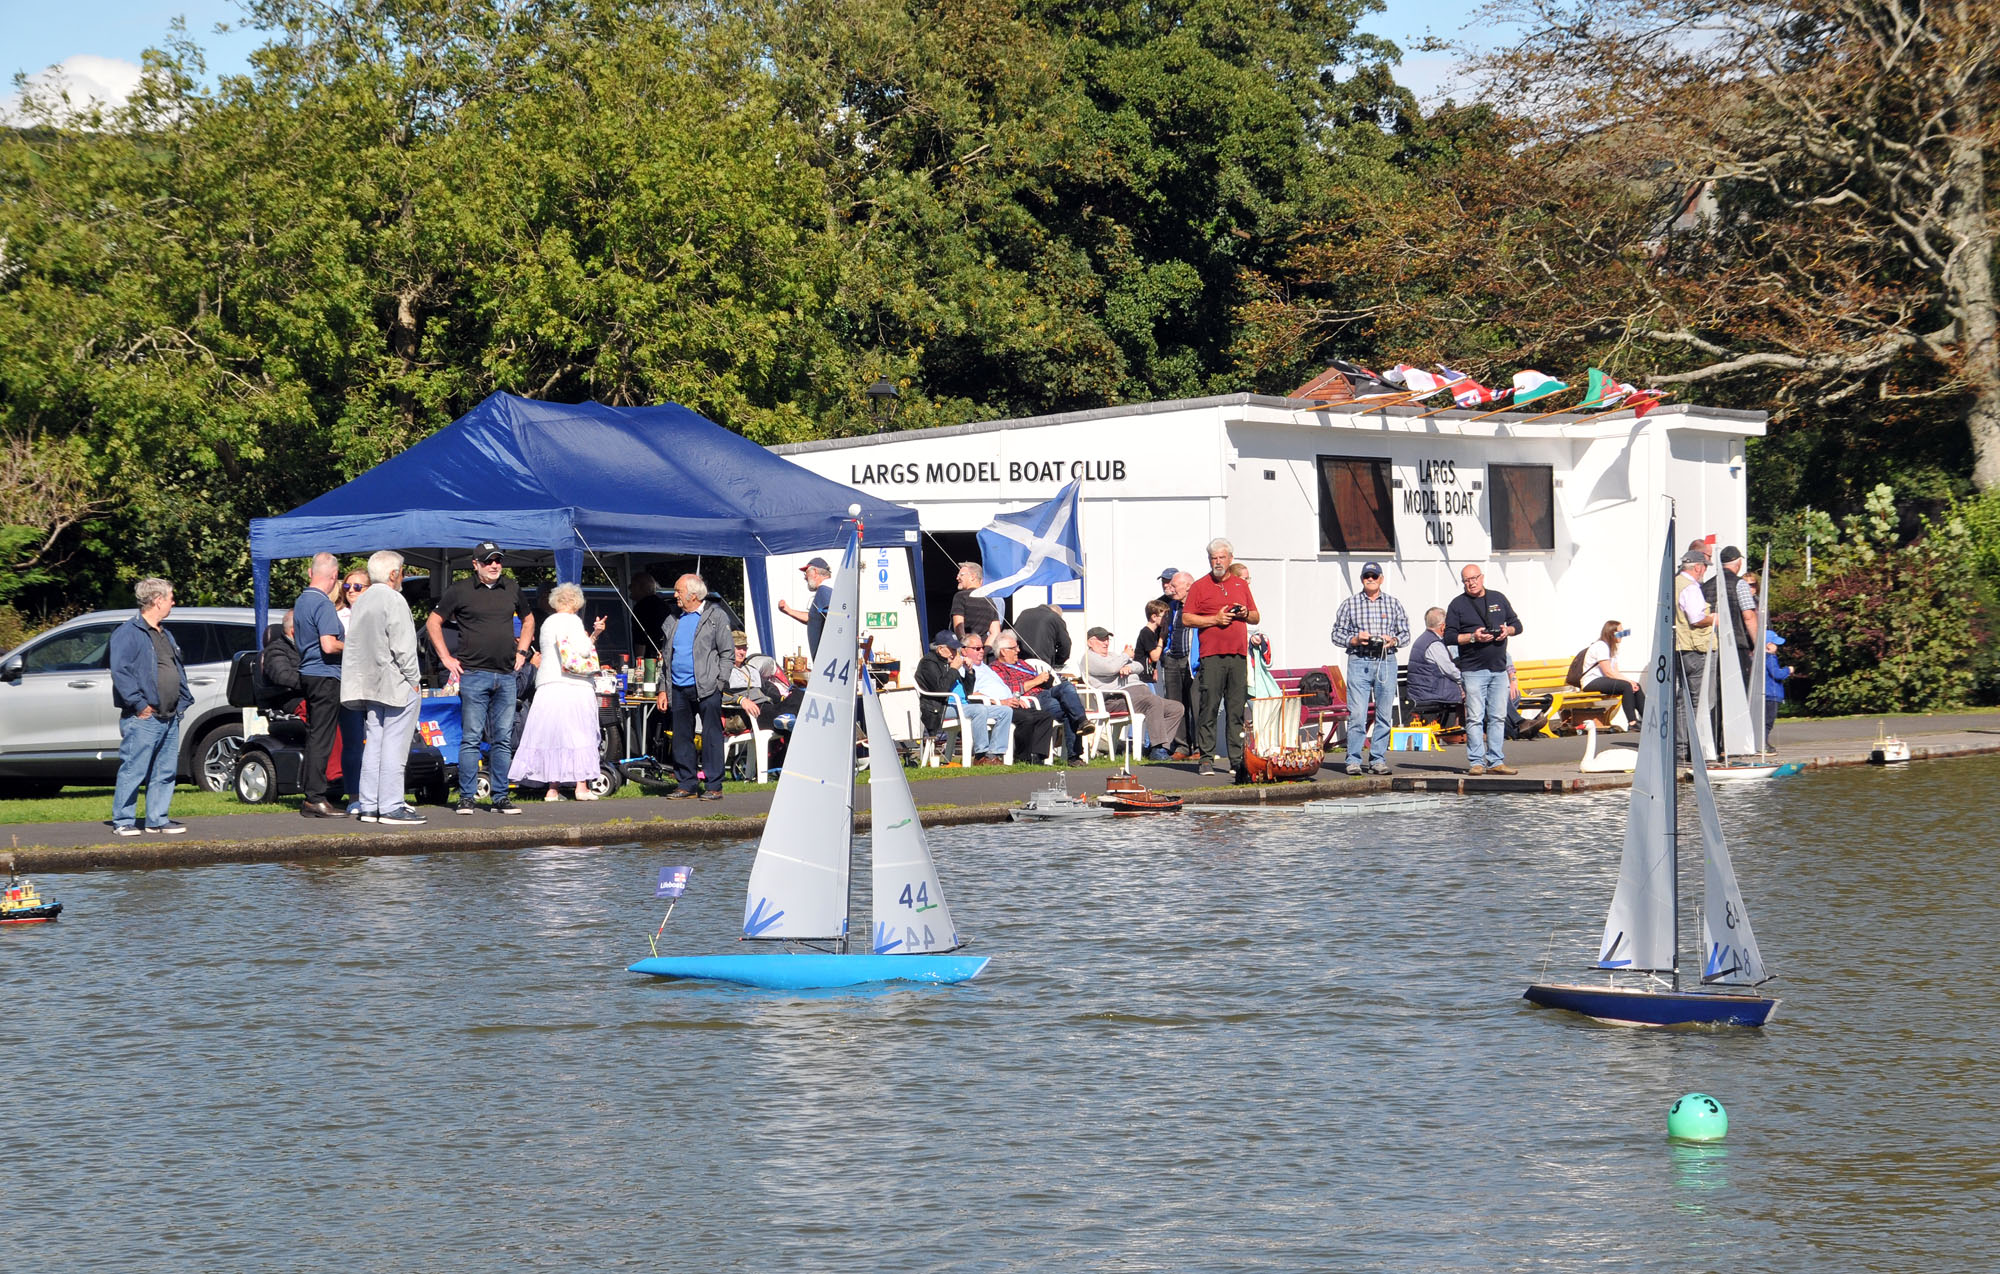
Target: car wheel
x=29, y=789
x=215, y=757
x=256, y=779
x=609, y=779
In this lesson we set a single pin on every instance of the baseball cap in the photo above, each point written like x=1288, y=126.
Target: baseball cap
x=738, y=636
x=1169, y=573
x=946, y=638
x=1774, y=639
x=1692, y=558
x=817, y=563
x=1370, y=568
x=1732, y=554
x=1105, y=633
x=486, y=551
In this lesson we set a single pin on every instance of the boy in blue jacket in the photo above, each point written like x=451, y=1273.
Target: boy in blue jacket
x=1775, y=678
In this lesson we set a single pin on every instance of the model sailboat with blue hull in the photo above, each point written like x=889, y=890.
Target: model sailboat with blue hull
x=1640, y=950
x=799, y=884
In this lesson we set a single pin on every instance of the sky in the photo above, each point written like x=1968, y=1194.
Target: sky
x=97, y=44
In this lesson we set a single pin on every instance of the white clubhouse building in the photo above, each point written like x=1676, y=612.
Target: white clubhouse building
x=1567, y=513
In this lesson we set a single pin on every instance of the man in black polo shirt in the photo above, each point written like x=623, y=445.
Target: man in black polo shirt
x=483, y=609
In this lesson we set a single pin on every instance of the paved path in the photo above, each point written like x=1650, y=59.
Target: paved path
x=1546, y=765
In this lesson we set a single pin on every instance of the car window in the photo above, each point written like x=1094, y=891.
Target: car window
x=229, y=640
x=85, y=649
x=193, y=639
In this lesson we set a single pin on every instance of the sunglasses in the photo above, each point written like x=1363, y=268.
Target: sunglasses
x=355, y=588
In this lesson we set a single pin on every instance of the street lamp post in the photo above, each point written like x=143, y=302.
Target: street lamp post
x=882, y=401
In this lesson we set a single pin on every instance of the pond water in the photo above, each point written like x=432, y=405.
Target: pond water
x=1263, y=1041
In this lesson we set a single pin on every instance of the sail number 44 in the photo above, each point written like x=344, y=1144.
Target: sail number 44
x=920, y=900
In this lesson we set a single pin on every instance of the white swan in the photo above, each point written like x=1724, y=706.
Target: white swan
x=1611, y=761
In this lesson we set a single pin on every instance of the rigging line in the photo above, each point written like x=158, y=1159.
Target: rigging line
x=637, y=627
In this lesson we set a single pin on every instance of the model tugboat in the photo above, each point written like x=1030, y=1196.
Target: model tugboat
x=1056, y=802
x=20, y=904
x=1125, y=794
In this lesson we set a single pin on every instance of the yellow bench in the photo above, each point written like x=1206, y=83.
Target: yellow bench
x=1548, y=679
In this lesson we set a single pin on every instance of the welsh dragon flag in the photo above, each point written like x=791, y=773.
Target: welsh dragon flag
x=1605, y=393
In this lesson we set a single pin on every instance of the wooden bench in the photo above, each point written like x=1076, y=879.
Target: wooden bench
x=1545, y=688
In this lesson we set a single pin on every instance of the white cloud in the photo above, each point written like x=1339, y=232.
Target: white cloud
x=86, y=78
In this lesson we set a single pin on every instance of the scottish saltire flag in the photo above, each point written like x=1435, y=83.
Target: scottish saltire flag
x=1467, y=392
x=1530, y=385
x=673, y=882
x=1039, y=545
x=1418, y=381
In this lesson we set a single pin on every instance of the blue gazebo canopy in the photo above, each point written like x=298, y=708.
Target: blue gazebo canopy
x=571, y=477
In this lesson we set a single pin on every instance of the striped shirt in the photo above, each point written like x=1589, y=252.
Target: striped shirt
x=1378, y=616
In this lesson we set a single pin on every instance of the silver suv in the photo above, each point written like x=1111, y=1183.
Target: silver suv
x=58, y=724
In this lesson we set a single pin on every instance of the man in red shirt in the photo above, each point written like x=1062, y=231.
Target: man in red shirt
x=1220, y=609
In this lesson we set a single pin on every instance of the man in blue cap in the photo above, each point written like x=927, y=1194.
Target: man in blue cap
x=1370, y=625
x=817, y=573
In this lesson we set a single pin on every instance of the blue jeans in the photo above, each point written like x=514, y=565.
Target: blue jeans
x=988, y=725
x=483, y=693
x=1485, y=716
x=385, y=755
x=1369, y=679
x=149, y=751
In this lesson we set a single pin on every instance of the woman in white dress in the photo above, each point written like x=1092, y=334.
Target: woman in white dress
x=559, y=743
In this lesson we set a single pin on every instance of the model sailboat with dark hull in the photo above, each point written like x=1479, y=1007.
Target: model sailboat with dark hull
x=1639, y=954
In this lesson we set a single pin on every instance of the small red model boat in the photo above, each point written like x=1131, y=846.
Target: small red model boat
x=1127, y=795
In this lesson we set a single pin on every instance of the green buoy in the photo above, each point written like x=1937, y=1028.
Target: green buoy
x=1697, y=1117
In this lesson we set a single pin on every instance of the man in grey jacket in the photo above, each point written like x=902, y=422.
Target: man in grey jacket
x=1119, y=675
x=379, y=678
x=696, y=653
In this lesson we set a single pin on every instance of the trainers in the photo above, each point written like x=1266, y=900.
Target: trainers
x=501, y=805
x=1501, y=769
x=466, y=805
x=1476, y=770
x=124, y=829
x=1207, y=766
x=711, y=796
x=682, y=794
x=401, y=816
x=368, y=816
x=168, y=828
x=1354, y=769
x=1380, y=767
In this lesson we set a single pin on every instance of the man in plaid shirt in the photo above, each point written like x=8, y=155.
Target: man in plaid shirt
x=1370, y=624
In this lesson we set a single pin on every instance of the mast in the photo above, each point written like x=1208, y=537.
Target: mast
x=1678, y=681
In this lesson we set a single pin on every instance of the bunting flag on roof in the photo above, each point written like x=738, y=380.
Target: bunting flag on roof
x=1365, y=384
x=1606, y=393
x=1416, y=380
x=1467, y=392
x=1530, y=385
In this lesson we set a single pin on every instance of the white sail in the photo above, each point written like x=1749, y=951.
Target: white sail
x=1757, y=656
x=1704, y=717
x=1737, y=740
x=1728, y=947
x=1639, y=931
x=798, y=885
x=911, y=917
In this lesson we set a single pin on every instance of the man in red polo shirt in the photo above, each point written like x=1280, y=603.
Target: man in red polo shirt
x=1220, y=609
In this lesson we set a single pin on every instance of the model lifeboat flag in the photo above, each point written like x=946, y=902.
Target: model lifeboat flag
x=1420, y=383
x=1039, y=545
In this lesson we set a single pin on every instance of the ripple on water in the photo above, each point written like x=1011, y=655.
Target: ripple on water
x=1238, y=1041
